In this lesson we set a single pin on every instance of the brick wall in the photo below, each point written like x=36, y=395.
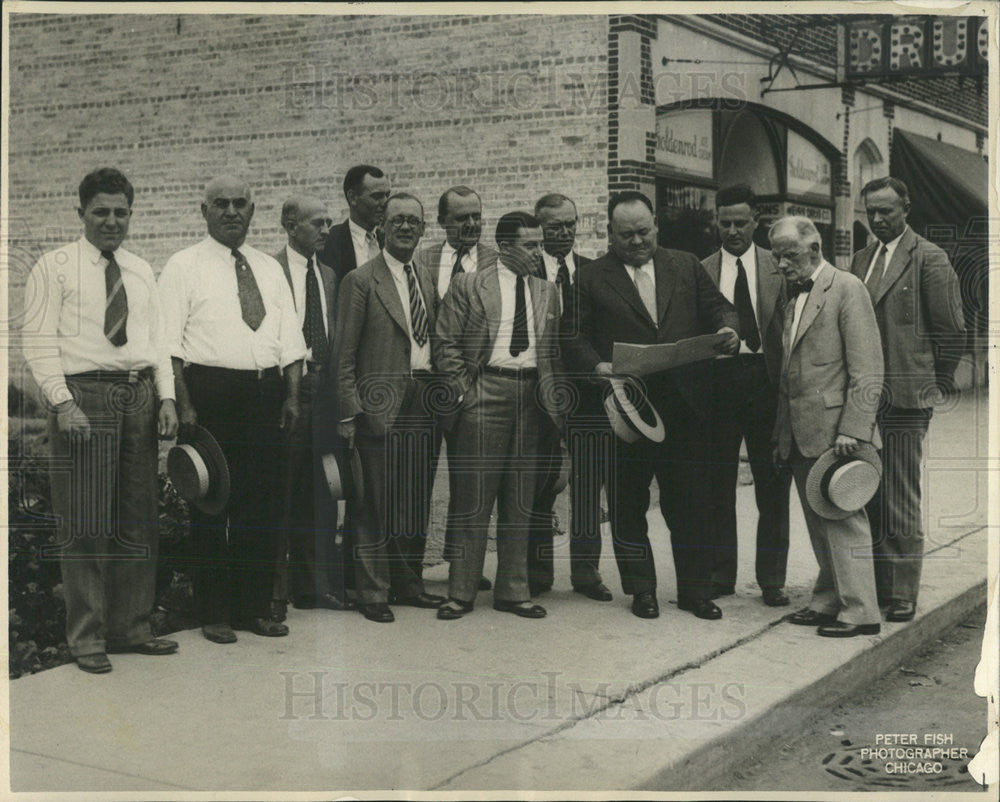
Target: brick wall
x=512, y=106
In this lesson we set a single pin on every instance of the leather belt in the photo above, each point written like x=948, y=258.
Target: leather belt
x=512, y=373
x=130, y=376
x=237, y=375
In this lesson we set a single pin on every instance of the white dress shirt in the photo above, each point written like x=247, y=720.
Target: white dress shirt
x=297, y=267
x=890, y=249
x=800, y=302
x=204, y=322
x=552, y=266
x=420, y=355
x=63, y=331
x=727, y=283
x=365, y=243
x=501, y=356
x=470, y=261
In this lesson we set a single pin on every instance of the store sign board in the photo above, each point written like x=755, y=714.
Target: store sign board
x=684, y=141
x=808, y=169
x=917, y=46
x=818, y=214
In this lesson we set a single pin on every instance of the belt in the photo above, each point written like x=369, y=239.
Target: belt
x=512, y=373
x=130, y=376
x=237, y=375
x=424, y=375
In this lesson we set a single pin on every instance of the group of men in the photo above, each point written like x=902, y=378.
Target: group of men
x=358, y=336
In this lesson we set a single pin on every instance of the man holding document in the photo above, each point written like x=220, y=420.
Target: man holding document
x=642, y=294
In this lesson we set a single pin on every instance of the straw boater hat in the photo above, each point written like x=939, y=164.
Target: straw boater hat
x=342, y=470
x=630, y=413
x=198, y=470
x=838, y=486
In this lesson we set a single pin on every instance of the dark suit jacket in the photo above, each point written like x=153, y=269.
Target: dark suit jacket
x=431, y=258
x=373, y=344
x=608, y=309
x=770, y=304
x=467, y=326
x=919, y=313
x=832, y=370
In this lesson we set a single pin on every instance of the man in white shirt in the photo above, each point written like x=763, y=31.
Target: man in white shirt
x=237, y=349
x=356, y=240
x=496, y=343
x=383, y=380
x=744, y=398
x=310, y=569
x=97, y=351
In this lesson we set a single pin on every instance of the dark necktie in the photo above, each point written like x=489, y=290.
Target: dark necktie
x=798, y=287
x=878, y=270
x=116, y=302
x=457, y=267
x=519, y=337
x=312, y=327
x=418, y=317
x=251, y=304
x=744, y=308
x=563, y=282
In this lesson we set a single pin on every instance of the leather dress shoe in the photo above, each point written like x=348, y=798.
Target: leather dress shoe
x=838, y=629
x=453, y=609
x=596, y=591
x=702, y=608
x=525, y=609
x=645, y=605
x=718, y=590
x=774, y=597
x=153, y=646
x=94, y=663
x=219, y=633
x=267, y=628
x=811, y=618
x=485, y=584
x=378, y=612
x=901, y=611
x=329, y=601
x=427, y=601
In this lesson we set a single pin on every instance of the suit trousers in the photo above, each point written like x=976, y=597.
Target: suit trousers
x=310, y=561
x=682, y=468
x=391, y=522
x=588, y=441
x=894, y=511
x=104, y=493
x=495, y=462
x=845, y=586
x=744, y=404
x=234, y=563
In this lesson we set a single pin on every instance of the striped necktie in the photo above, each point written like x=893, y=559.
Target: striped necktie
x=116, y=302
x=418, y=317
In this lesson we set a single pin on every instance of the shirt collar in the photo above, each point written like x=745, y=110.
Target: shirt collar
x=646, y=267
x=505, y=271
x=450, y=252
x=395, y=266
x=553, y=261
x=88, y=249
x=748, y=257
x=224, y=251
x=815, y=272
x=891, y=244
x=296, y=259
x=357, y=232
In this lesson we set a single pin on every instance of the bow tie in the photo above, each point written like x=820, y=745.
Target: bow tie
x=797, y=287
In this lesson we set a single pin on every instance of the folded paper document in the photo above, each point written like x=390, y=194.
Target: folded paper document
x=641, y=360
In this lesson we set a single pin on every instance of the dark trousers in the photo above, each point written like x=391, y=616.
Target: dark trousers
x=104, y=492
x=744, y=403
x=391, y=522
x=683, y=472
x=309, y=559
x=234, y=564
x=894, y=511
x=588, y=441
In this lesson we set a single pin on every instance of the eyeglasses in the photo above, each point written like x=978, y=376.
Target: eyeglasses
x=237, y=203
x=412, y=222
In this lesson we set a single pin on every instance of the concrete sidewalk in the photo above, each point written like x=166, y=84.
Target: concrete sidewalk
x=590, y=698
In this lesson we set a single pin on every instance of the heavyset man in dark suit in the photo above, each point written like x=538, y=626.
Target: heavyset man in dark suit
x=355, y=241
x=830, y=374
x=745, y=395
x=384, y=331
x=309, y=570
x=496, y=345
x=918, y=308
x=639, y=293
x=587, y=432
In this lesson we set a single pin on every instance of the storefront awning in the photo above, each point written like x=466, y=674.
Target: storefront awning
x=948, y=185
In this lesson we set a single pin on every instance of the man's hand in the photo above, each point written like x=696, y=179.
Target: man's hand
x=604, y=369
x=732, y=342
x=346, y=430
x=290, y=413
x=844, y=446
x=186, y=414
x=71, y=419
x=166, y=426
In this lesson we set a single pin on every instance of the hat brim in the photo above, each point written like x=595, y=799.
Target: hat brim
x=632, y=419
x=219, y=484
x=815, y=497
x=343, y=474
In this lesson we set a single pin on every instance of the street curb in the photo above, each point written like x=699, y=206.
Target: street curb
x=716, y=761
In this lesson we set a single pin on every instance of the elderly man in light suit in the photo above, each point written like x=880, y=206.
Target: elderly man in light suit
x=830, y=376
x=914, y=290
